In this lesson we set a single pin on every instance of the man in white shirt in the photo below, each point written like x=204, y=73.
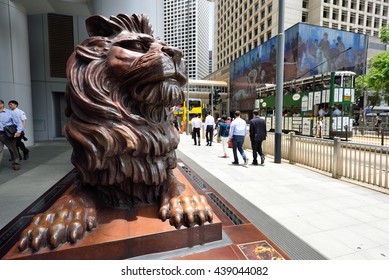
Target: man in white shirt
x=209, y=127
x=196, y=126
x=13, y=105
x=237, y=134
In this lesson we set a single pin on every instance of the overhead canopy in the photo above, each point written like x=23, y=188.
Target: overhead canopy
x=202, y=88
x=207, y=83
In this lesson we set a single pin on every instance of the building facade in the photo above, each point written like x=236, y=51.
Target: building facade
x=240, y=26
x=186, y=27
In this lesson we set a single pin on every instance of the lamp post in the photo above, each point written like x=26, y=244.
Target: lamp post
x=279, y=81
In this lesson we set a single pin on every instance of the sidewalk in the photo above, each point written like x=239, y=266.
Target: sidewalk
x=49, y=161
x=339, y=220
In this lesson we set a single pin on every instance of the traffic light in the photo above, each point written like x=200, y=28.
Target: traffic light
x=216, y=97
x=360, y=102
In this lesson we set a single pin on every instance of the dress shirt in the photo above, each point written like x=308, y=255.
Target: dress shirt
x=7, y=117
x=238, y=128
x=196, y=122
x=209, y=120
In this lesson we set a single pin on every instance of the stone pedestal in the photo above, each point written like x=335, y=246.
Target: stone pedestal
x=123, y=233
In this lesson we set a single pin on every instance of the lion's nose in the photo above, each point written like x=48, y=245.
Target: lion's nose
x=174, y=53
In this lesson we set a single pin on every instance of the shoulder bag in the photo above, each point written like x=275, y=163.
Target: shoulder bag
x=10, y=130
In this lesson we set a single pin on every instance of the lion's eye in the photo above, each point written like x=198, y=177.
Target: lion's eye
x=133, y=46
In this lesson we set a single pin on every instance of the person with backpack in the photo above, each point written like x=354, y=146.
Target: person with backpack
x=224, y=131
x=258, y=134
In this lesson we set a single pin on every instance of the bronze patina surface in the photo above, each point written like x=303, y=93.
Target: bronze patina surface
x=122, y=86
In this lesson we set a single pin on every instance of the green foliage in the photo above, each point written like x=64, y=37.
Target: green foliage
x=377, y=76
x=376, y=79
x=384, y=34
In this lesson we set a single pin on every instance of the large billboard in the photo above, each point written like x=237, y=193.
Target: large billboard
x=309, y=50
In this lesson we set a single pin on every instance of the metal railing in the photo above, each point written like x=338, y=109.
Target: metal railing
x=359, y=162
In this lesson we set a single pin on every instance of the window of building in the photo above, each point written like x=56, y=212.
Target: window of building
x=377, y=8
x=263, y=14
x=262, y=26
x=360, y=20
x=304, y=17
x=368, y=21
x=352, y=18
x=369, y=7
x=376, y=23
x=269, y=35
x=269, y=22
x=361, y=6
x=262, y=39
x=325, y=12
x=353, y=4
x=344, y=16
x=335, y=14
x=305, y=4
x=335, y=2
x=385, y=12
x=344, y=3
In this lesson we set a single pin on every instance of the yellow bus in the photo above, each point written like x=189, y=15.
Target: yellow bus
x=195, y=108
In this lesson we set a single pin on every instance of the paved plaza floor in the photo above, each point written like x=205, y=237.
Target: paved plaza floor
x=290, y=204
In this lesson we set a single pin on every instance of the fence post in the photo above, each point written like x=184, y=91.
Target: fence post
x=337, y=165
x=382, y=135
x=292, y=148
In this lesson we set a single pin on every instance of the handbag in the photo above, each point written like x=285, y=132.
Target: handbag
x=230, y=143
x=10, y=130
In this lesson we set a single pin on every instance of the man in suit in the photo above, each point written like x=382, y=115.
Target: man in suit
x=258, y=134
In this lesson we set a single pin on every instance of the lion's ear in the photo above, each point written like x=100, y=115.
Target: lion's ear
x=101, y=26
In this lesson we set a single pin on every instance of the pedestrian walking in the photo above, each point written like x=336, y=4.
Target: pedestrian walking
x=224, y=130
x=209, y=127
x=258, y=134
x=237, y=135
x=14, y=106
x=8, y=118
x=196, y=126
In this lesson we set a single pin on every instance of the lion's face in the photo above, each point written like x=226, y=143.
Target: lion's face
x=146, y=65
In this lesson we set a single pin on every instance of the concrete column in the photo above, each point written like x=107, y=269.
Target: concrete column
x=15, y=79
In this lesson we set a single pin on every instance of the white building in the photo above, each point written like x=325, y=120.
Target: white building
x=186, y=27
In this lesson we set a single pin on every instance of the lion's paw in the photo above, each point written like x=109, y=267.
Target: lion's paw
x=53, y=228
x=187, y=210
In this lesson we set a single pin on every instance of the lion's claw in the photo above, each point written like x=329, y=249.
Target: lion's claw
x=55, y=228
x=187, y=210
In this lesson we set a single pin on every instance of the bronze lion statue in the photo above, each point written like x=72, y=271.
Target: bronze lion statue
x=122, y=86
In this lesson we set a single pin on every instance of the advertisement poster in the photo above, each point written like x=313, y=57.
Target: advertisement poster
x=309, y=50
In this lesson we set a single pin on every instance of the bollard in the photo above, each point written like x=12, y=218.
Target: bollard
x=292, y=148
x=382, y=135
x=346, y=129
x=337, y=164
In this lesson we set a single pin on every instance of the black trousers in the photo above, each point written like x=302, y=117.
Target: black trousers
x=196, y=133
x=257, y=149
x=209, y=133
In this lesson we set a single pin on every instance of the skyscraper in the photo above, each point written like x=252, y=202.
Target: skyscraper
x=242, y=25
x=186, y=27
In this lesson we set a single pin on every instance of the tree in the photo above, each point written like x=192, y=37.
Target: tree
x=377, y=76
x=384, y=34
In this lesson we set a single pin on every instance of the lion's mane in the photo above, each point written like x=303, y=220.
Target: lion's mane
x=120, y=129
